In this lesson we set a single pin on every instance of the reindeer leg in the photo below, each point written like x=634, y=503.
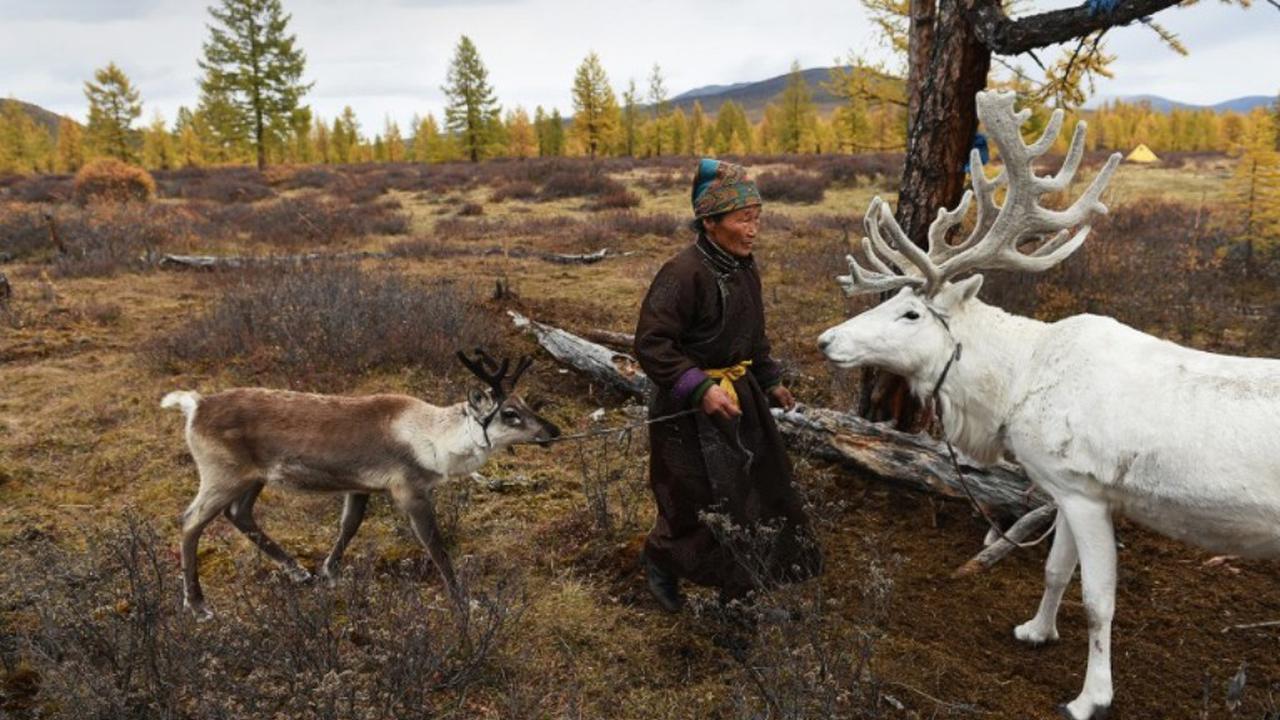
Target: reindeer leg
x=1058, y=570
x=353, y=508
x=1090, y=523
x=417, y=503
x=210, y=499
x=240, y=513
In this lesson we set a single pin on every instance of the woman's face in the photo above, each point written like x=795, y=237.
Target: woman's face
x=735, y=232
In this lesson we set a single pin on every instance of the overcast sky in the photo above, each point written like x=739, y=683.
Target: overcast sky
x=388, y=58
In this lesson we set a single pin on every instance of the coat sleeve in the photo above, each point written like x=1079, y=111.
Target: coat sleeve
x=669, y=307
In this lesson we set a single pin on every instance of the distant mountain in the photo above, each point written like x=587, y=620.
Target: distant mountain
x=753, y=96
x=707, y=90
x=1164, y=105
x=45, y=118
x=1244, y=104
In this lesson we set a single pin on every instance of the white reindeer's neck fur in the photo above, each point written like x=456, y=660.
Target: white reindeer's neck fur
x=977, y=396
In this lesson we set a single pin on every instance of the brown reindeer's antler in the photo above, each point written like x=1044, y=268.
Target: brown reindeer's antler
x=494, y=373
x=998, y=230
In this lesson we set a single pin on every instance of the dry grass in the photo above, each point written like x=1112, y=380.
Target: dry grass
x=83, y=442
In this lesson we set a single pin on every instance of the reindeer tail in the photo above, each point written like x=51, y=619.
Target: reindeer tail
x=187, y=400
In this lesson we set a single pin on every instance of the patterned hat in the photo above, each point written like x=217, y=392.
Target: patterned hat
x=719, y=187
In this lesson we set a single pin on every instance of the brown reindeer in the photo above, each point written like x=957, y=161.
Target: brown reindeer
x=246, y=438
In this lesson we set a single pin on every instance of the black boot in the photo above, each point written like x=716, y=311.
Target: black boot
x=664, y=586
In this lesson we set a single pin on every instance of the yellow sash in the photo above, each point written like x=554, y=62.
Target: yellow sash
x=727, y=375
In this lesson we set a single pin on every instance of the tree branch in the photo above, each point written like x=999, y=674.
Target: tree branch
x=1007, y=36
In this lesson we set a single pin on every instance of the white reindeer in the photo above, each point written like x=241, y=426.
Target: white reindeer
x=246, y=438
x=1103, y=417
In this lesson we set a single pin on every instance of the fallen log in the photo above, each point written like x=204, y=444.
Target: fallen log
x=617, y=370
x=610, y=338
x=211, y=262
x=1027, y=526
x=916, y=462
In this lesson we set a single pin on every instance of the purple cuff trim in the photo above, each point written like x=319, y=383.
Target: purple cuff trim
x=688, y=381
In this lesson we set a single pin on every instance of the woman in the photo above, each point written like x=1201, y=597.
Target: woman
x=701, y=339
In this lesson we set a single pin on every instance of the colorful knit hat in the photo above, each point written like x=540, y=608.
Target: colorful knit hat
x=719, y=187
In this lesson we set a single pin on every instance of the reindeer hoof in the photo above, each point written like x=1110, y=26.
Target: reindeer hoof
x=1102, y=712
x=199, y=610
x=1034, y=636
x=298, y=574
x=329, y=575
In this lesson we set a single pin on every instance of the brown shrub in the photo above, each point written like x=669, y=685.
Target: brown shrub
x=793, y=187
x=634, y=223
x=619, y=198
x=110, y=180
x=329, y=324
x=23, y=233
x=102, y=635
x=471, y=210
x=222, y=185
x=308, y=221
x=579, y=181
x=41, y=188
x=104, y=239
x=515, y=190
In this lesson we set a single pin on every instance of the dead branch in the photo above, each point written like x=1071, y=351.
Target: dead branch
x=211, y=262
x=1028, y=525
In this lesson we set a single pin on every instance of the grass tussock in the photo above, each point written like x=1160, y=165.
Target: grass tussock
x=327, y=325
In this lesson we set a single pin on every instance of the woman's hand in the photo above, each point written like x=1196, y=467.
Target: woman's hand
x=715, y=401
x=782, y=397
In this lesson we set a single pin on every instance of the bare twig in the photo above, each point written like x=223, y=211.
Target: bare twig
x=1251, y=626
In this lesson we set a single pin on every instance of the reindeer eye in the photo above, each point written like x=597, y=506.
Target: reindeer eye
x=911, y=315
x=510, y=415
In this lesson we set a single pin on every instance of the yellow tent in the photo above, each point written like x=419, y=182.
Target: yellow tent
x=1142, y=154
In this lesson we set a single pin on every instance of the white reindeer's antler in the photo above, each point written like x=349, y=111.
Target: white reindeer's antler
x=998, y=230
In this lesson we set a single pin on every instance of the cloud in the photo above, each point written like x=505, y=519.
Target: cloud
x=77, y=11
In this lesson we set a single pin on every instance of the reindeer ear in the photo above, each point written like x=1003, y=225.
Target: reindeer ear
x=962, y=291
x=478, y=399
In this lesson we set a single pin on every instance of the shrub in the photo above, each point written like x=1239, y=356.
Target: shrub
x=790, y=186
x=332, y=321
x=579, y=181
x=314, y=176
x=517, y=190
x=471, y=209
x=104, y=239
x=634, y=223
x=113, y=181
x=308, y=221
x=23, y=233
x=103, y=635
x=42, y=188
x=227, y=185
x=619, y=198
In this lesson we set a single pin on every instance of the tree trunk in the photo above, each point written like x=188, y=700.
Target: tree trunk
x=948, y=66
x=943, y=125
